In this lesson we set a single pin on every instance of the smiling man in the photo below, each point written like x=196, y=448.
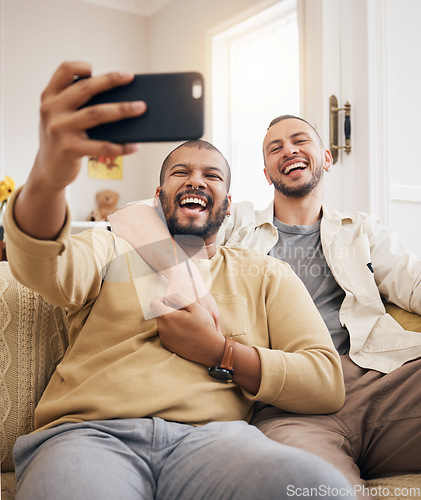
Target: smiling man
x=194, y=211
x=158, y=408
x=298, y=175
x=350, y=264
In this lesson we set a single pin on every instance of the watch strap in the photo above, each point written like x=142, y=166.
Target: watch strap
x=227, y=362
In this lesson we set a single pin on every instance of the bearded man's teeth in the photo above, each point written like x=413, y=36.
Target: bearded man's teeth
x=294, y=165
x=196, y=201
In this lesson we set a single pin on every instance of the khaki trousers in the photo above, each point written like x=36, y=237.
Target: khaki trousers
x=376, y=433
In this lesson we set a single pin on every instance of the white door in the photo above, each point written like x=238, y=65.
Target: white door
x=367, y=52
x=402, y=42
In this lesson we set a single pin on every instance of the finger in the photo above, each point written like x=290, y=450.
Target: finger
x=92, y=116
x=80, y=92
x=64, y=76
x=159, y=308
x=178, y=301
x=87, y=147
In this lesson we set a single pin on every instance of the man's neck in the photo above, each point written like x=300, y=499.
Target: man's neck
x=298, y=211
x=196, y=247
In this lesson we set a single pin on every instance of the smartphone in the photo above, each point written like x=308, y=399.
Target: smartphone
x=175, y=109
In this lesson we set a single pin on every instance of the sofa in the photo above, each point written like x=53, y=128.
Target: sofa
x=33, y=339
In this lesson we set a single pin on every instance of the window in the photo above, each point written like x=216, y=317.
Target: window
x=255, y=77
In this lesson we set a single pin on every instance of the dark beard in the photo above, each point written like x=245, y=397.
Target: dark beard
x=301, y=190
x=208, y=229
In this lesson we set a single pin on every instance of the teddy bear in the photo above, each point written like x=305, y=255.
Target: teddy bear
x=107, y=204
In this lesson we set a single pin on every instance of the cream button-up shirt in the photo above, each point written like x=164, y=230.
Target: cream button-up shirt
x=369, y=262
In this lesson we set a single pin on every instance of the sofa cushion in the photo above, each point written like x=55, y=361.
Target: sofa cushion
x=33, y=338
x=409, y=321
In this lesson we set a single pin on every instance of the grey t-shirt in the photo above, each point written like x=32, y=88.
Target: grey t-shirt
x=301, y=248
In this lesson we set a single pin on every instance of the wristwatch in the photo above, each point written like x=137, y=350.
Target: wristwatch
x=225, y=371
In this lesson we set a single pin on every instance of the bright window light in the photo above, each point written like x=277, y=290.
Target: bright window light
x=255, y=77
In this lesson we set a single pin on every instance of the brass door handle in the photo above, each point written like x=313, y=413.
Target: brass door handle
x=333, y=127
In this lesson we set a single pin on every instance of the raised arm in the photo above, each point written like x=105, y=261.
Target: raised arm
x=40, y=209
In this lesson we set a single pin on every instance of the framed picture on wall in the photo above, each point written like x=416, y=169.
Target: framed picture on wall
x=105, y=167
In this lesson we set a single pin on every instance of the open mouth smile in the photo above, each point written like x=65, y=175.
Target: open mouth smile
x=193, y=203
x=294, y=166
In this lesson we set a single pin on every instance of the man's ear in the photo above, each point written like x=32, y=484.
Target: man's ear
x=156, y=197
x=267, y=176
x=229, y=204
x=328, y=160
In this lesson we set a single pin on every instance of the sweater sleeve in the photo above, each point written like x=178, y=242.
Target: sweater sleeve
x=301, y=372
x=67, y=271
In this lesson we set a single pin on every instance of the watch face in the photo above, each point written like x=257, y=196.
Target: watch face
x=221, y=373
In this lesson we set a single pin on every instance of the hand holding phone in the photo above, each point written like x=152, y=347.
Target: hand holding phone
x=40, y=209
x=175, y=109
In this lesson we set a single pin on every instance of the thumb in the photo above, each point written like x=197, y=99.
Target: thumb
x=159, y=308
x=177, y=300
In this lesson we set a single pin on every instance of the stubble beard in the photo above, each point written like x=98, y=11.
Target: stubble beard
x=209, y=228
x=300, y=190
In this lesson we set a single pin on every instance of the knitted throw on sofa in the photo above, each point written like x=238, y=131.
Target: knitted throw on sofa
x=33, y=338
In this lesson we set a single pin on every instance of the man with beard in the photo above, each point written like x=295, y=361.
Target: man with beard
x=157, y=408
x=350, y=264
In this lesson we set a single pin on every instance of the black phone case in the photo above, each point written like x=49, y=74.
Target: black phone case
x=175, y=109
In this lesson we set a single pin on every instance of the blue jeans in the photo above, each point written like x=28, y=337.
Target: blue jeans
x=151, y=458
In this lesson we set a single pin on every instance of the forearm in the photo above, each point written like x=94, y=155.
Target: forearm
x=40, y=213
x=141, y=226
x=246, y=365
x=67, y=271
x=191, y=333
x=247, y=368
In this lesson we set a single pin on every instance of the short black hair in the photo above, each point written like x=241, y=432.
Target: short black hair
x=293, y=117
x=198, y=144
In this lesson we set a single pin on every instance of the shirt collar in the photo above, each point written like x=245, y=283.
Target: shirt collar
x=265, y=216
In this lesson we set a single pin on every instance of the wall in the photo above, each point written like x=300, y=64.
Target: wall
x=36, y=37
x=179, y=37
